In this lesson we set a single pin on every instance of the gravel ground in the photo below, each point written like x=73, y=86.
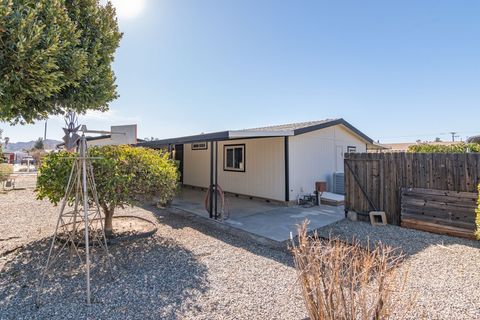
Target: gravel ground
x=190, y=270
x=443, y=276
x=186, y=271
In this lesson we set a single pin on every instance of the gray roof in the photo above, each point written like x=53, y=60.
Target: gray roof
x=283, y=130
x=292, y=126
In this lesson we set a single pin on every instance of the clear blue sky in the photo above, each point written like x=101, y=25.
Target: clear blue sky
x=398, y=70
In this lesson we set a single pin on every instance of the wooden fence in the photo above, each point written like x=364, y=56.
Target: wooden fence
x=439, y=211
x=374, y=181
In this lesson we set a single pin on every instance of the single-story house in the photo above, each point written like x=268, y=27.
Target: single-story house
x=277, y=163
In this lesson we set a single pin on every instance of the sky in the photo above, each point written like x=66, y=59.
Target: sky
x=397, y=70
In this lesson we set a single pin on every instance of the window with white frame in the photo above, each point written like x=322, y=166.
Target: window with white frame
x=234, y=157
x=351, y=149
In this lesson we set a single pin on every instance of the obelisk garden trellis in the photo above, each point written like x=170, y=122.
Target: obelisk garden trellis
x=80, y=224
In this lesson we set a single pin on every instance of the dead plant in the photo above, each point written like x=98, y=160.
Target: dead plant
x=346, y=281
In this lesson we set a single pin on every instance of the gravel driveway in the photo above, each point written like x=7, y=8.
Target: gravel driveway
x=190, y=270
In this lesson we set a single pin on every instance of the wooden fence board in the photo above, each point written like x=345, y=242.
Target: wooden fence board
x=384, y=175
x=447, y=213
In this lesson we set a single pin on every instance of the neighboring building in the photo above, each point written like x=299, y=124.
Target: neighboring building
x=126, y=134
x=8, y=157
x=120, y=135
x=277, y=162
x=13, y=157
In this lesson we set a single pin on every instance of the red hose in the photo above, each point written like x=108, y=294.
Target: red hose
x=220, y=193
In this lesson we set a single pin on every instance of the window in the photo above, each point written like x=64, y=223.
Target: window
x=351, y=149
x=234, y=157
x=199, y=146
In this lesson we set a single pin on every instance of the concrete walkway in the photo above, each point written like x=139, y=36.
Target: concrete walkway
x=269, y=220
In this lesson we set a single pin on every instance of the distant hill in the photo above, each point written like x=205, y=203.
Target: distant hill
x=19, y=146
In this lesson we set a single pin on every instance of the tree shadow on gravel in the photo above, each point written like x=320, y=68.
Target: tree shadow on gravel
x=211, y=228
x=153, y=278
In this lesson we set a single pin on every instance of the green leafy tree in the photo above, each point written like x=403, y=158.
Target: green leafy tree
x=124, y=175
x=475, y=139
x=55, y=55
x=454, y=148
x=39, y=144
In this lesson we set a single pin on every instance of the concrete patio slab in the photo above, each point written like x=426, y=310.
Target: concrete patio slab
x=266, y=219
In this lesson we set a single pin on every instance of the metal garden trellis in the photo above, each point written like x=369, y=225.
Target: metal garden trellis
x=79, y=207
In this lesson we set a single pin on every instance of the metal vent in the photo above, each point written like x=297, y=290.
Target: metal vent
x=339, y=183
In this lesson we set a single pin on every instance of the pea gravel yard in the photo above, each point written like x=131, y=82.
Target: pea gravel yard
x=191, y=270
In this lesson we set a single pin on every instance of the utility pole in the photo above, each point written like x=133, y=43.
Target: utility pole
x=45, y=132
x=453, y=135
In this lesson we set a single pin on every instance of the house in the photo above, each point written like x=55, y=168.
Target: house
x=12, y=157
x=8, y=157
x=276, y=163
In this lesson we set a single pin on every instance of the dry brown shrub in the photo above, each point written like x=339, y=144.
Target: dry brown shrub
x=346, y=281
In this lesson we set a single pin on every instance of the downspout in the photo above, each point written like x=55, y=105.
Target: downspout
x=216, y=179
x=287, y=170
x=210, y=208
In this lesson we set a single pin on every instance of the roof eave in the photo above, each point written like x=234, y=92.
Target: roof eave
x=335, y=123
x=238, y=134
x=215, y=136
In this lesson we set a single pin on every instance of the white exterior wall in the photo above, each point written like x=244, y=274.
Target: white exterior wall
x=196, y=166
x=316, y=155
x=129, y=135
x=125, y=135
x=264, y=174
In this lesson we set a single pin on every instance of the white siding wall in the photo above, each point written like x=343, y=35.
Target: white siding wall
x=128, y=136
x=264, y=174
x=196, y=166
x=316, y=155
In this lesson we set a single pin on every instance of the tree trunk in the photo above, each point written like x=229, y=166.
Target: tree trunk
x=108, y=220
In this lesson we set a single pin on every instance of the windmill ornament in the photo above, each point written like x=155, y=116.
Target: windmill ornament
x=71, y=136
x=79, y=233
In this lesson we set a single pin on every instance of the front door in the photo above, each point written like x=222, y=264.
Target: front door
x=339, y=159
x=179, y=159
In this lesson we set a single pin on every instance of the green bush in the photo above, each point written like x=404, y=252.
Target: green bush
x=124, y=175
x=478, y=215
x=454, y=148
x=5, y=170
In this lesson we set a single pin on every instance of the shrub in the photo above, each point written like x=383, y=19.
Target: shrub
x=5, y=171
x=124, y=175
x=478, y=215
x=342, y=281
x=37, y=155
x=454, y=148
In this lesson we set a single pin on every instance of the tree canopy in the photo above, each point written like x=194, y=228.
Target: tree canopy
x=124, y=175
x=453, y=148
x=39, y=144
x=56, y=55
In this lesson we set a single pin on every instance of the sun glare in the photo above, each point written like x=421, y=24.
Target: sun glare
x=128, y=9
